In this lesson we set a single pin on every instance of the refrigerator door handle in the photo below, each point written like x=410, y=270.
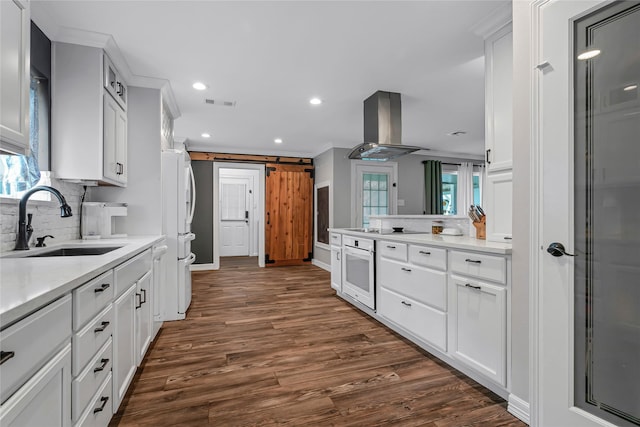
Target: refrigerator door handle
x=191, y=259
x=193, y=194
x=189, y=237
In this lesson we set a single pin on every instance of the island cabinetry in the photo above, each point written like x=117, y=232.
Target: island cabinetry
x=35, y=368
x=478, y=313
x=336, y=261
x=89, y=139
x=412, y=295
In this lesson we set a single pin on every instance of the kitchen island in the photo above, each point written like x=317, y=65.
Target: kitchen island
x=450, y=295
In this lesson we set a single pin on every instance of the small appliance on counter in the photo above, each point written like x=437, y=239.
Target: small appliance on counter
x=100, y=220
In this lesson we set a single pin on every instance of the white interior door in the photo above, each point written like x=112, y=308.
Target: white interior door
x=235, y=202
x=586, y=336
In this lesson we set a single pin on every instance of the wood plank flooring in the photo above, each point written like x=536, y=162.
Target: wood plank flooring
x=263, y=347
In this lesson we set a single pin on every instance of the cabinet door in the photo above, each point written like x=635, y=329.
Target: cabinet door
x=143, y=316
x=14, y=76
x=497, y=200
x=115, y=141
x=498, y=98
x=336, y=269
x=45, y=400
x=124, y=342
x=479, y=327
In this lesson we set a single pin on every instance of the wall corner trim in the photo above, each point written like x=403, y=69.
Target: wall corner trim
x=321, y=264
x=518, y=408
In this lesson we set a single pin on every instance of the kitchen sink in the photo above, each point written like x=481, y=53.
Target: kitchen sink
x=75, y=251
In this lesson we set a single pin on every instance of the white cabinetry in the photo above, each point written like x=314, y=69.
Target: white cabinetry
x=124, y=344
x=144, y=320
x=411, y=294
x=499, y=133
x=336, y=261
x=478, y=313
x=15, y=30
x=89, y=139
x=36, y=368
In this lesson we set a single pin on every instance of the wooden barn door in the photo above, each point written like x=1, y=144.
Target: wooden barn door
x=289, y=214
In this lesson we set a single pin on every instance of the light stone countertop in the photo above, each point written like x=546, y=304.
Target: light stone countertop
x=27, y=284
x=451, y=242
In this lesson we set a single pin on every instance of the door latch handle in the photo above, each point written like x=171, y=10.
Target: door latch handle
x=557, y=249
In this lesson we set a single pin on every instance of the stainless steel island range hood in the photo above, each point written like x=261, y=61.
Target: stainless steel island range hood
x=382, y=129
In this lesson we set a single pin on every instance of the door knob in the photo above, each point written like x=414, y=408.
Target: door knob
x=557, y=249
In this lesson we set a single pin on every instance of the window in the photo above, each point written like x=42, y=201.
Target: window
x=374, y=188
x=21, y=173
x=450, y=192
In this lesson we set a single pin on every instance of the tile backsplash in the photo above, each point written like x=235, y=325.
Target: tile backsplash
x=46, y=217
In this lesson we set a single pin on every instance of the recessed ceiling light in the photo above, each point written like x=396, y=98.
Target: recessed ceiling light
x=630, y=87
x=315, y=101
x=589, y=54
x=278, y=140
x=199, y=86
x=205, y=135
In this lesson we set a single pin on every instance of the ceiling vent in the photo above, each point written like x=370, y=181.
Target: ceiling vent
x=220, y=102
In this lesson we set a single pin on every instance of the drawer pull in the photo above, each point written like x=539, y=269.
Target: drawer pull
x=424, y=253
x=474, y=261
x=104, y=400
x=102, y=288
x=406, y=303
x=6, y=355
x=390, y=247
x=103, y=364
x=144, y=296
x=102, y=327
x=508, y=238
x=408, y=270
x=469, y=285
x=139, y=298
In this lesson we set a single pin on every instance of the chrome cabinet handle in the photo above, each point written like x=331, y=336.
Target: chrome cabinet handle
x=104, y=400
x=474, y=261
x=103, y=326
x=424, y=253
x=408, y=270
x=103, y=364
x=102, y=288
x=6, y=355
x=469, y=285
x=406, y=303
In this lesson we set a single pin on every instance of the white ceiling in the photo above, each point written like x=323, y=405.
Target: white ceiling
x=270, y=58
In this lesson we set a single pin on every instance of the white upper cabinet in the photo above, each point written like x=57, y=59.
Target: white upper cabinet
x=89, y=134
x=498, y=100
x=15, y=30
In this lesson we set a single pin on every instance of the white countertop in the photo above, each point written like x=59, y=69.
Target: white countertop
x=26, y=284
x=451, y=242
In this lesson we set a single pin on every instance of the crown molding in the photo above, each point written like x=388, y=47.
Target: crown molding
x=500, y=17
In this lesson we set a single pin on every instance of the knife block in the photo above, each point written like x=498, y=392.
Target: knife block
x=481, y=228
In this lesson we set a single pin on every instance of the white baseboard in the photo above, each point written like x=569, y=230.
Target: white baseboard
x=201, y=267
x=321, y=264
x=518, y=408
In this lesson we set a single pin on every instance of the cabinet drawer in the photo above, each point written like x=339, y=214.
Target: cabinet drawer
x=428, y=257
x=422, y=321
x=336, y=239
x=421, y=284
x=92, y=297
x=99, y=411
x=476, y=265
x=29, y=343
x=393, y=250
x=91, y=338
x=87, y=383
x=130, y=271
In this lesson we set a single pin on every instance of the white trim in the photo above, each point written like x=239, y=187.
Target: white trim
x=322, y=265
x=356, y=200
x=315, y=213
x=203, y=267
x=500, y=17
x=322, y=246
x=518, y=408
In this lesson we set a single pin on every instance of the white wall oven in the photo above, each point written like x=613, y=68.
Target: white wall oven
x=358, y=269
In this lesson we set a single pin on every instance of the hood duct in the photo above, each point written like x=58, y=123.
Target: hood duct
x=382, y=129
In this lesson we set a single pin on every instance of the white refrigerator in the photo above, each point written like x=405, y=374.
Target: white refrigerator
x=179, y=201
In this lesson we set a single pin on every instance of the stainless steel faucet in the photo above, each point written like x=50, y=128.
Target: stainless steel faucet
x=22, y=243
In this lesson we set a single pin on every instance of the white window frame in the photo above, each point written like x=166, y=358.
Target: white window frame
x=315, y=210
x=358, y=169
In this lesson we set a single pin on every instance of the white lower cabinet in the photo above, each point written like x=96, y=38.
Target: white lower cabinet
x=144, y=319
x=45, y=400
x=336, y=268
x=124, y=343
x=498, y=199
x=478, y=319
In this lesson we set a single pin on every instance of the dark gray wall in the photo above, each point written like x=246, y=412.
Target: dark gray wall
x=202, y=224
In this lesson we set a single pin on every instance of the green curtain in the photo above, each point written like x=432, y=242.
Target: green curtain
x=433, y=187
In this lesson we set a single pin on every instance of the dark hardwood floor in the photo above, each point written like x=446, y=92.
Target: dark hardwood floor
x=275, y=346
